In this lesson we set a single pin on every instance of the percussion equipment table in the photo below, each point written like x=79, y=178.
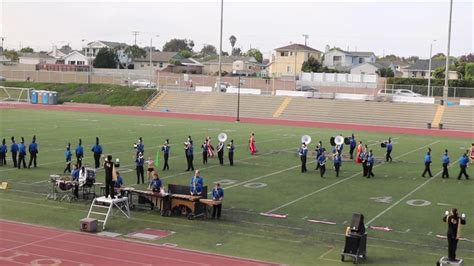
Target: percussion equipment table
x=160, y=200
x=187, y=204
x=209, y=203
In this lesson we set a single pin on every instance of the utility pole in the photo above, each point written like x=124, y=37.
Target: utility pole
x=135, y=33
x=306, y=37
x=3, y=38
x=446, y=74
x=429, y=68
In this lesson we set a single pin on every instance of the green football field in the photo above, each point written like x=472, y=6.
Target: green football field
x=397, y=198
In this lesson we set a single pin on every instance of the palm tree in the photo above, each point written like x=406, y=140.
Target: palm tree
x=232, y=40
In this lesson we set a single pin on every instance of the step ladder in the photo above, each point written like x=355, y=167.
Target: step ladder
x=101, y=209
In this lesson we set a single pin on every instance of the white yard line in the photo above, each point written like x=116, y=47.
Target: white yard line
x=407, y=195
x=340, y=181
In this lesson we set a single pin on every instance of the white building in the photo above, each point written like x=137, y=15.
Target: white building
x=93, y=48
x=344, y=60
x=36, y=58
x=76, y=58
x=61, y=52
x=420, y=69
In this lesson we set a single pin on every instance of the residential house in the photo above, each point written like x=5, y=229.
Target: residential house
x=374, y=68
x=36, y=58
x=236, y=65
x=168, y=62
x=159, y=61
x=60, y=53
x=288, y=60
x=341, y=60
x=76, y=58
x=420, y=69
x=93, y=48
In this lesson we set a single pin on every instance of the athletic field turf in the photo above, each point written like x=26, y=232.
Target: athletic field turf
x=270, y=182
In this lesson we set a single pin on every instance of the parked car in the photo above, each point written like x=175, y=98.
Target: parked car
x=222, y=87
x=408, y=93
x=307, y=88
x=143, y=83
x=2, y=78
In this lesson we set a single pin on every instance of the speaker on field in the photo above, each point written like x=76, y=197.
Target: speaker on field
x=357, y=224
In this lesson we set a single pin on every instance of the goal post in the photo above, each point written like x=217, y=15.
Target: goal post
x=12, y=94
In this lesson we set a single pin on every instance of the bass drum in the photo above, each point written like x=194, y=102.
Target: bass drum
x=383, y=145
x=332, y=141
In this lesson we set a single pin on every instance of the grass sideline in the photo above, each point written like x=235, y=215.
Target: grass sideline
x=242, y=231
x=114, y=95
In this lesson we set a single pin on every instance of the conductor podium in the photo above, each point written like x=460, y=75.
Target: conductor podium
x=356, y=239
x=444, y=261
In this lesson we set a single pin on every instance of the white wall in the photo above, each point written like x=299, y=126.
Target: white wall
x=76, y=57
x=340, y=79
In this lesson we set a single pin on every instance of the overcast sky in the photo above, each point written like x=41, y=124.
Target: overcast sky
x=392, y=27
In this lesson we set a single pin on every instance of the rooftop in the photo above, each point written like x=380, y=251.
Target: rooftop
x=297, y=47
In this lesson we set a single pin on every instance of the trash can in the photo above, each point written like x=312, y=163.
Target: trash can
x=34, y=97
x=442, y=102
x=53, y=98
x=440, y=125
x=45, y=99
x=428, y=125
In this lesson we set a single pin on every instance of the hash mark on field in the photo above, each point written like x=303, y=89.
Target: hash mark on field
x=344, y=222
x=304, y=218
x=429, y=233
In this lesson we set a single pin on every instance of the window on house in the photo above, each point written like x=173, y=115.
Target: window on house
x=413, y=74
x=288, y=69
x=72, y=62
x=423, y=73
x=161, y=64
x=80, y=63
x=142, y=65
x=337, y=60
x=154, y=64
x=283, y=53
x=250, y=67
x=291, y=53
x=361, y=60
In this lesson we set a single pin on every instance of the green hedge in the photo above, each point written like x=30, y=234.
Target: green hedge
x=114, y=95
x=434, y=82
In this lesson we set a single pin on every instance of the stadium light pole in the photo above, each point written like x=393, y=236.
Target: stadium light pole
x=89, y=55
x=220, y=47
x=446, y=74
x=151, y=52
x=429, y=67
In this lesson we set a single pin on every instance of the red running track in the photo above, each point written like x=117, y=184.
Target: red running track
x=136, y=111
x=23, y=244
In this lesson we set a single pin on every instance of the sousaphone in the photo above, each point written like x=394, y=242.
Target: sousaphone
x=222, y=137
x=306, y=139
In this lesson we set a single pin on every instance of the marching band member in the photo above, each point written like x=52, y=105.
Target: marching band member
x=252, y=147
x=75, y=175
x=445, y=161
x=427, y=163
x=3, y=153
x=322, y=164
x=463, y=164
x=79, y=153
x=217, y=195
x=156, y=184
x=150, y=169
x=189, y=154
x=97, y=150
x=319, y=150
x=231, y=149
x=118, y=184
x=337, y=162
x=352, y=146
x=139, y=162
x=370, y=164
x=389, y=148
x=166, y=152
x=363, y=156
x=303, y=152
x=204, y=148
x=360, y=148
x=197, y=183
x=140, y=147
x=14, y=151
x=220, y=152
x=21, y=153
x=68, y=156
x=210, y=148
x=472, y=153
x=33, y=150
x=110, y=176
x=454, y=231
